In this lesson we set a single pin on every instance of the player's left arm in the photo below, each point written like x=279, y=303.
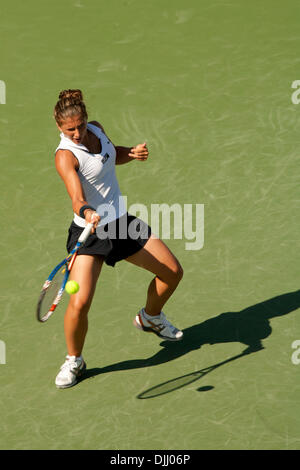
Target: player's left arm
x=127, y=154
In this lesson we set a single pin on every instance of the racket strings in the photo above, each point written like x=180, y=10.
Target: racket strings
x=49, y=295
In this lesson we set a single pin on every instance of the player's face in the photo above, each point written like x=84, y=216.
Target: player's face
x=74, y=128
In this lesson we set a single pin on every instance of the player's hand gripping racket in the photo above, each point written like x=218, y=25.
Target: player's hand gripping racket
x=54, y=286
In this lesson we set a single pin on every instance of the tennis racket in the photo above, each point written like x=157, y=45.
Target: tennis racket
x=54, y=286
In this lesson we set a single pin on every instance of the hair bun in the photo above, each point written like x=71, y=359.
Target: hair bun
x=70, y=103
x=72, y=95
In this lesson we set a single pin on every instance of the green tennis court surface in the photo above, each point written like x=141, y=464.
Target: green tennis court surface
x=207, y=84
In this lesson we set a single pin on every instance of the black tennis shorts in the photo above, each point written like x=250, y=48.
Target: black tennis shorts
x=114, y=241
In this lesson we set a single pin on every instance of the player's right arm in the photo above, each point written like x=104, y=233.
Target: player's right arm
x=67, y=165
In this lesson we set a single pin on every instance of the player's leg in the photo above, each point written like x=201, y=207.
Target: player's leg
x=86, y=271
x=156, y=257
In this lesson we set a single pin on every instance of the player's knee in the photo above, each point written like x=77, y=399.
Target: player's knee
x=177, y=274
x=79, y=306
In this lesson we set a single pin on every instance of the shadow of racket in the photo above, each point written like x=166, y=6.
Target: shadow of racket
x=187, y=379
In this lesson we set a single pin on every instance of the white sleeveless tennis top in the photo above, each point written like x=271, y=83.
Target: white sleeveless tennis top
x=97, y=175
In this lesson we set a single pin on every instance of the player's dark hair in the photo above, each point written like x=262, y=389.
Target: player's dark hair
x=70, y=103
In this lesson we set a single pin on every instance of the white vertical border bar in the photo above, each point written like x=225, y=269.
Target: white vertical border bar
x=2, y=92
x=2, y=352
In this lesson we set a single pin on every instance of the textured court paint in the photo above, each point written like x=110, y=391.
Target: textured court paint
x=208, y=86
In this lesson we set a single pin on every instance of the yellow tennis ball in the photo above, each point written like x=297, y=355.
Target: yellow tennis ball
x=72, y=287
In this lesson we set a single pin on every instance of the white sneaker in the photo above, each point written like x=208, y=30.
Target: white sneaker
x=158, y=325
x=71, y=369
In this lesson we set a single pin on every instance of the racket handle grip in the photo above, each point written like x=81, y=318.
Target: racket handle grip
x=85, y=233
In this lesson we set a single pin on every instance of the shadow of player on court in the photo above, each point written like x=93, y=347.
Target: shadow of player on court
x=249, y=327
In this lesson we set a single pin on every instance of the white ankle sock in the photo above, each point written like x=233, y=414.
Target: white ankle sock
x=148, y=317
x=79, y=358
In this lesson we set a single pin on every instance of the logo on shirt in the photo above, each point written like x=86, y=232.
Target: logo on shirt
x=105, y=158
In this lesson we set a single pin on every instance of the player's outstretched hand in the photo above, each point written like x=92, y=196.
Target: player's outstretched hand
x=139, y=152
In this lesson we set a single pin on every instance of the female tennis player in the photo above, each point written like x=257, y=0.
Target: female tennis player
x=85, y=160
